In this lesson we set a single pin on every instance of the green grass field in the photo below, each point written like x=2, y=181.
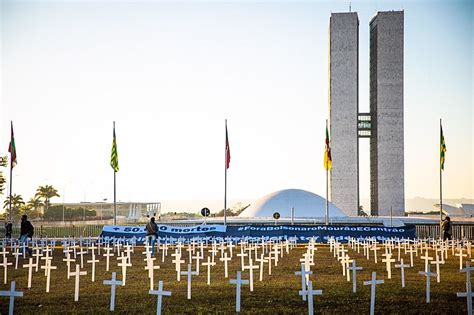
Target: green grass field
x=277, y=294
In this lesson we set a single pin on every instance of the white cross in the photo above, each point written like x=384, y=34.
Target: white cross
x=411, y=250
x=468, y=293
x=189, y=273
x=16, y=253
x=77, y=274
x=303, y=274
x=373, y=283
x=426, y=258
x=209, y=264
x=461, y=255
x=225, y=259
x=124, y=266
x=239, y=282
x=261, y=260
x=354, y=269
x=198, y=257
x=68, y=261
x=177, y=261
x=160, y=293
x=213, y=251
x=12, y=294
x=389, y=262
x=107, y=254
x=81, y=253
x=37, y=255
x=375, y=248
x=437, y=262
x=402, y=270
x=309, y=293
x=113, y=283
x=345, y=260
x=47, y=268
x=30, y=266
x=5, y=265
x=428, y=274
x=150, y=267
x=93, y=261
x=250, y=267
x=242, y=255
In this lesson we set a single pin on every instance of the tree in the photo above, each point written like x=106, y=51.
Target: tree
x=46, y=192
x=16, y=202
x=33, y=207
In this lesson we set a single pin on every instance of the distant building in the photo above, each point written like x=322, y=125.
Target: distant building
x=386, y=106
x=343, y=110
x=460, y=210
x=127, y=210
x=383, y=125
x=304, y=203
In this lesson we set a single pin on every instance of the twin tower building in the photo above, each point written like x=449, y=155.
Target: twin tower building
x=383, y=125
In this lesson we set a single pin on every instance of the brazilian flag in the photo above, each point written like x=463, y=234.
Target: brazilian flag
x=114, y=154
x=442, y=149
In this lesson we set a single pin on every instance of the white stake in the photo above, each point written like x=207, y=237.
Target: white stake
x=77, y=274
x=239, y=282
x=225, y=259
x=310, y=293
x=189, y=273
x=209, y=264
x=30, y=266
x=113, y=283
x=354, y=269
x=160, y=293
x=468, y=293
x=402, y=270
x=12, y=294
x=47, y=268
x=93, y=261
x=373, y=283
x=428, y=274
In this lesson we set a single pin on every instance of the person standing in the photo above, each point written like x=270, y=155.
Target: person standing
x=8, y=229
x=151, y=233
x=26, y=231
x=447, y=226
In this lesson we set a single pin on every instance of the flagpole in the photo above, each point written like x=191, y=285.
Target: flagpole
x=11, y=172
x=440, y=188
x=115, y=191
x=225, y=177
x=327, y=188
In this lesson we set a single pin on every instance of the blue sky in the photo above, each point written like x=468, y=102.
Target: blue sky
x=169, y=73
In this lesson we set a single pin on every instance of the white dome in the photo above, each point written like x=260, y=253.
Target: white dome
x=306, y=204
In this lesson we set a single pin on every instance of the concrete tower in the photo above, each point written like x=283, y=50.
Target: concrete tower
x=386, y=107
x=343, y=110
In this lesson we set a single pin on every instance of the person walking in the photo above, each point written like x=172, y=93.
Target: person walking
x=26, y=231
x=8, y=229
x=447, y=226
x=151, y=233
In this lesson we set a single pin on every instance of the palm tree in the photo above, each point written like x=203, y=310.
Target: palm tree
x=35, y=203
x=47, y=192
x=16, y=202
x=34, y=206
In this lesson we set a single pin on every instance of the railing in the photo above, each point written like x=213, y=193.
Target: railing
x=460, y=231
x=60, y=231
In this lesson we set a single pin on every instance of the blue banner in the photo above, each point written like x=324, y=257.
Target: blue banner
x=302, y=233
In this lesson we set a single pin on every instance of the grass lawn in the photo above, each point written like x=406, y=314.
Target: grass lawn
x=277, y=294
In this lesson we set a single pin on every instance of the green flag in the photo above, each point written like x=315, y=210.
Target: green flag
x=114, y=154
x=442, y=149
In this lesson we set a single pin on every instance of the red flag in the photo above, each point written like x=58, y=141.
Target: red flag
x=227, y=149
x=12, y=149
